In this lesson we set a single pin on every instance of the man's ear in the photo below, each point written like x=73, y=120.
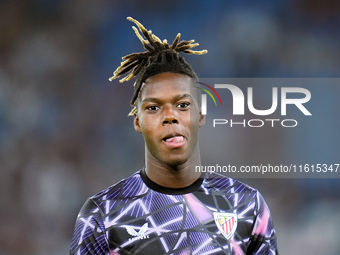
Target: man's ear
x=201, y=120
x=136, y=123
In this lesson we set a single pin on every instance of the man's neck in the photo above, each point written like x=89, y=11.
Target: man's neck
x=178, y=176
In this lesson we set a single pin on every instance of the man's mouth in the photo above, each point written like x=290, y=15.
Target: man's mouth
x=174, y=141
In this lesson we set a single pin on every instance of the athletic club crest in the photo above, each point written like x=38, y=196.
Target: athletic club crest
x=226, y=223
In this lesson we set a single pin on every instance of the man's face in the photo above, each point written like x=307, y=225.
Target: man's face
x=168, y=116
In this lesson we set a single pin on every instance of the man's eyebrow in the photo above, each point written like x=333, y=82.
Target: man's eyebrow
x=150, y=99
x=179, y=97
x=176, y=98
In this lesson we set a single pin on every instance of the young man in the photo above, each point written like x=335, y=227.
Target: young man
x=166, y=208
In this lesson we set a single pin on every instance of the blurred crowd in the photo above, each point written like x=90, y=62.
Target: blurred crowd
x=64, y=130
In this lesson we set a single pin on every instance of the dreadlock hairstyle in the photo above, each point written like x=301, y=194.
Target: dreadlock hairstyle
x=159, y=57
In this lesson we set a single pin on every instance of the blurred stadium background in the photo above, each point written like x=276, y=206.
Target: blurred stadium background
x=64, y=130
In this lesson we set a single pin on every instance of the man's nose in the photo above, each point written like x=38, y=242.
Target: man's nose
x=169, y=117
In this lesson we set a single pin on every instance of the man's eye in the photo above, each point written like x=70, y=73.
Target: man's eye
x=183, y=105
x=152, y=108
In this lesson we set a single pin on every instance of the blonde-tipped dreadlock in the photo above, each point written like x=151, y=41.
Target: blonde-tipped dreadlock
x=159, y=57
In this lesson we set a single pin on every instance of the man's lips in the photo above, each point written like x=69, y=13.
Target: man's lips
x=174, y=141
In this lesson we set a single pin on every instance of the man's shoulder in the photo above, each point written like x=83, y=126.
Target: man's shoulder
x=227, y=184
x=126, y=188
x=115, y=196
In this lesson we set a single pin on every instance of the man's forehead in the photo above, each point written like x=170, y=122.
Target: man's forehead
x=167, y=83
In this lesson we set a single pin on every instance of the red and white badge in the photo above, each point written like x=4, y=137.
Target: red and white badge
x=226, y=223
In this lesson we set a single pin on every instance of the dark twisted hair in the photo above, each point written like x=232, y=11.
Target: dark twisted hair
x=159, y=57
